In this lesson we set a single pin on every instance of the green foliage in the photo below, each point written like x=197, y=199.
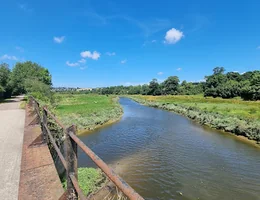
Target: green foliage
x=5, y=75
x=170, y=85
x=251, y=88
x=188, y=88
x=154, y=88
x=233, y=84
x=28, y=70
x=39, y=90
x=2, y=88
x=218, y=70
x=90, y=180
x=219, y=84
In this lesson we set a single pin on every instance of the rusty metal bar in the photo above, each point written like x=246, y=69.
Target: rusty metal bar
x=72, y=162
x=76, y=185
x=117, y=180
x=55, y=118
x=37, y=109
x=56, y=148
x=45, y=122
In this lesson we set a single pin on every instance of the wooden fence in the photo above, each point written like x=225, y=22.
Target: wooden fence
x=70, y=161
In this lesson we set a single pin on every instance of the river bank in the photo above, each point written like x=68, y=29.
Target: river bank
x=241, y=126
x=164, y=155
x=88, y=112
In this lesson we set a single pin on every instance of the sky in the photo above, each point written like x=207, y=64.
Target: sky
x=99, y=43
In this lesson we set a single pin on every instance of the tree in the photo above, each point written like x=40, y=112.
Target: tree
x=235, y=76
x=28, y=70
x=39, y=90
x=170, y=85
x=154, y=88
x=219, y=70
x=251, y=88
x=214, y=82
x=189, y=88
x=5, y=75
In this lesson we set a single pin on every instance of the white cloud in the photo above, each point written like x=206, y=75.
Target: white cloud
x=179, y=69
x=59, y=39
x=173, y=36
x=19, y=49
x=87, y=54
x=82, y=68
x=110, y=53
x=160, y=73
x=82, y=60
x=123, y=61
x=153, y=41
x=132, y=83
x=7, y=57
x=72, y=64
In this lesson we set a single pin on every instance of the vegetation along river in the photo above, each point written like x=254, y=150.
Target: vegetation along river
x=166, y=156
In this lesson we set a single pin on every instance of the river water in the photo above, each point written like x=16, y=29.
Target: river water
x=163, y=155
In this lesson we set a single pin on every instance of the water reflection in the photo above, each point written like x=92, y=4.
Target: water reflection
x=166, y=156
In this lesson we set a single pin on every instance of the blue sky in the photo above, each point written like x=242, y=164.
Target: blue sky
x=112, y=42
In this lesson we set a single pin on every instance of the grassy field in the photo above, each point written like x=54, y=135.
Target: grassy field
x=231, y=115
x=87, y=111
x=231, y=107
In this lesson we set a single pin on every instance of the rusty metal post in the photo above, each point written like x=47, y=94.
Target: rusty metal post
x=30, y=101
x=45, y=122
x=72, y=163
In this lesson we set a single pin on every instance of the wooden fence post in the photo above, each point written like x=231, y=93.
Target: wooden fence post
x=44, y=125
x=72, y=162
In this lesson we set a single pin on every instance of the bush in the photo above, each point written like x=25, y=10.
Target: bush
x=40, y=91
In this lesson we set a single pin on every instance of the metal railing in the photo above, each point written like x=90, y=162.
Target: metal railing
x=70, y=161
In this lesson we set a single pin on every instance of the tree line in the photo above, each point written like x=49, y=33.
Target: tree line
x=30, y=77
x=25, y=77
x=219, y=84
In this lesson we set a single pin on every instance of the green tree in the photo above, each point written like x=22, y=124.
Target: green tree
x=251, y=88
x=5, y=75
x=28, y=70
x=170, y=85
x=219, y=70
x=214, y=82
x=154, y=88
x=235, y=76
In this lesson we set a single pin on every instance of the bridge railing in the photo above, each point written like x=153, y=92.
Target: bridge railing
x=70, y=161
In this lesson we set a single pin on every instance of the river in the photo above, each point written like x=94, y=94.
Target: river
x=163, y=155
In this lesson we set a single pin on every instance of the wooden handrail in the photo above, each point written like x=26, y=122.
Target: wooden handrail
x=70, y=161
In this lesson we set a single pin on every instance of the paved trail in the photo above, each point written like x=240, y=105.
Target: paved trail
x=11, y=138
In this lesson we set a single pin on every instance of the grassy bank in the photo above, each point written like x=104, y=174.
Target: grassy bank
x=87, y=111
x=90, y=180
x=231, y=115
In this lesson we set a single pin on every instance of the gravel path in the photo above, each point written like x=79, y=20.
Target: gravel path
x=11, y=138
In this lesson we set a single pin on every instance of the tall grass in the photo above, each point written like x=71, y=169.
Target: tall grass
x=87, y=111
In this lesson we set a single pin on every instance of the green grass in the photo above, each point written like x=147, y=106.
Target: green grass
x=87, y=111
x=230, y=107
x=90, y=180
